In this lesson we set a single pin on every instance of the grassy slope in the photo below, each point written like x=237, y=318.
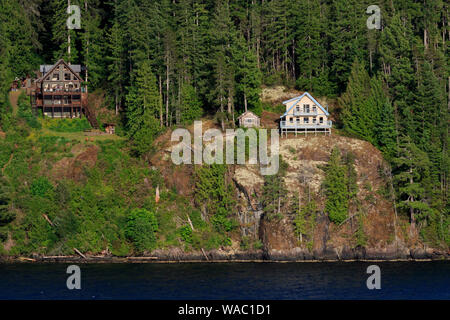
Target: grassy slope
x=87, y=190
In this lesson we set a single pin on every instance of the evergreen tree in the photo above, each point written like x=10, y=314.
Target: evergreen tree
x=116, y=62
x=357, y=113
x=63, y=37
x=346, y=26
x=311, y=52
x=304, y=215
x=143, y=106
x=93, y=45
x=385, y=132
x=395, y=50
x=412, y=180
x=6, y=214
x=190, y=105
x=222, y=59
x=273, y=193
x=248, y=76
x=335, y=185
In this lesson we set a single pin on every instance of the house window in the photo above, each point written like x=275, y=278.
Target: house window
x=249, y=120
x=306, y=120
x=55, y=77
x=306, y=108
x=291, y=120
x=297, y=109
x=314, y=120
x=298, y=120
x=321, y=120
x=314, y=109
x=66, y=76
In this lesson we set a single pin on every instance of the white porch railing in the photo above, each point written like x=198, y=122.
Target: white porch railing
x=294, y=125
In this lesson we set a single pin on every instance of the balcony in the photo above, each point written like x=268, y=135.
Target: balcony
x=60, y=91
x=295, y=125
x=305, y=113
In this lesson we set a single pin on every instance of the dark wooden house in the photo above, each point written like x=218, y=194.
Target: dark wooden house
x=59, y=92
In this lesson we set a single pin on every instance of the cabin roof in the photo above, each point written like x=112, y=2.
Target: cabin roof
x=299, y=98
x=69, y=67
x=45, y=68
x=248, y=113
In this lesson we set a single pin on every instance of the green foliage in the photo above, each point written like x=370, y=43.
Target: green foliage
x=177, y=60
x=6, y=214
x=140, y=228
x=305, y=215
x=335, y=185
x=214, y=195
x=274, y=191
x=190, y=105
x=412, y=178
x=24, y=112
x=143, y=104
x=41, y=187
x=186, y=234
x=68, y=125
x=361, y=237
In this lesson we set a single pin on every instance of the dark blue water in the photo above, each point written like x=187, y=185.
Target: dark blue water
x=399, y=280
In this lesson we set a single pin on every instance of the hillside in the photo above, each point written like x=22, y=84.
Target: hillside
x=70, y=192
x=372, y=238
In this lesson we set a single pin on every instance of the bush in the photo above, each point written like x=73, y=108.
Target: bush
x=186, y=234
x=41, y=187
x=68, y=125
x=140, y=229
x=25, y=112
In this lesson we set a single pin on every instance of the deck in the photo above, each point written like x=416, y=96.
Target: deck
x=286, y=127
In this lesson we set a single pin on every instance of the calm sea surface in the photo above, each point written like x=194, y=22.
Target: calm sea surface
x=399, y=280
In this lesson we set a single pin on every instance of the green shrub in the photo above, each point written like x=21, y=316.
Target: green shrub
x=186, y=234
x=68, y=125
x=25, y=112
x=197, y=220
x=140, y=229
x=245, y=243
x=41, y=187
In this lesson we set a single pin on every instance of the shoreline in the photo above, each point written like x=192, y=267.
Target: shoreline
x=216, y=256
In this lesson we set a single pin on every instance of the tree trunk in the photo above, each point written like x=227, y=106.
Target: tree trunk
x=222, y=122
x=167, y=91
x=411, y=199
x=161, y=120
x=117, y=102
x=87, y=46
x=68, y=39
x=245, y=102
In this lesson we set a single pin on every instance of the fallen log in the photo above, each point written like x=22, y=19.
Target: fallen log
x=78, y=252
x=205, y=255
x=48, y=220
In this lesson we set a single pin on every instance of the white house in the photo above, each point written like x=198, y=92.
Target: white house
x=303, y=114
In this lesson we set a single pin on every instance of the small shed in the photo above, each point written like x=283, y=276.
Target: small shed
x=248, y=119
x=110, y=128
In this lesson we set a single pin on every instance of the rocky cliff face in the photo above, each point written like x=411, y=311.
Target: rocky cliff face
x=385, y=235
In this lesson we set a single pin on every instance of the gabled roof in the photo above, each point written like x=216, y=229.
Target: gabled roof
x=44, y=68
x=60, y=61
x=247, y=113
x=299, y=98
